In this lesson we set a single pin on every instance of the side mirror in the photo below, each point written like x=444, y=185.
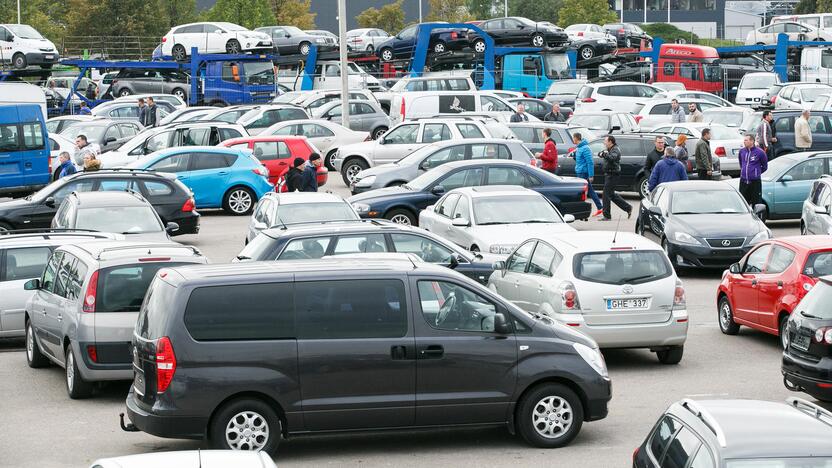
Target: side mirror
x=759, y=210
x=734, y=268
x=381, y=141
x=615, y=128
x=32, y=285
x=259, y=226
x=500, y=266
x=171, y=227
x=453, y=261
x=786, y=178
x=655, y=210
x=219, y=31
x=568, y=218
x=501, y=325
x=821, y=210
x=460, y=222
x=287, y=35
x=50, y=202
x=109, y=140
x=438, y=190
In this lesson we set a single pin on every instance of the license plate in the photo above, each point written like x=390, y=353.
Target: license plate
x=628, y=304
x=48, y=57
x=138, y=382
x=801, y=342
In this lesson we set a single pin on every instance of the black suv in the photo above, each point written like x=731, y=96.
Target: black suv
x=363, y=237
x=738, y=433
x=171, y=199
x=247, y=353
x=807, y=359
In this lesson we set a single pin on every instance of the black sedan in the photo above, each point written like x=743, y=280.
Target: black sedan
x=314, y=241
x=403, y=204
x=590, y=48
x=171, y=199
x=515, y=30
x=628, y=35
x=806, y=363
x=703, y=224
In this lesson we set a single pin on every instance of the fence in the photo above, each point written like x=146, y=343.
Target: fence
x=109, y=47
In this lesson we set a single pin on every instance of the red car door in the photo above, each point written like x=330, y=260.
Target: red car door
x=775, y=281
x=744, y=285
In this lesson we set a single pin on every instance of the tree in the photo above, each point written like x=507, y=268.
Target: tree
x=804, y=7
x=294, y=12
x=669, y=32
x=452, y=11
x=179, y=12
x=48, y=17
x=484, y=9
x=536, y=10
x=117, y=18
x=389, y=17
x=247, y=13
x=586, y=11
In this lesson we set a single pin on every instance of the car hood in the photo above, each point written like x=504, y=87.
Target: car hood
x=39, y=43
x=517, y=233
x=364, y=147
x=717, y=225
x=381, y=194
x=380, y=169
x=14, y=204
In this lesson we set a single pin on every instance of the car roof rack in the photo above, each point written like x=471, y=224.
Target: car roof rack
x=49, y=233
x=117, y=248
x=706, y=419
x=805, y=406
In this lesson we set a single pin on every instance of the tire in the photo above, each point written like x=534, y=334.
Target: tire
x=628, y=43
x=725, y=317
x=351, y=168
x=782, y=332
x=554, y=406
x=666, y=248
x=34, y=357
x=474, y=249
x=386, y=54
x=124, y=92
x=228, y=426
x=19, y=61
x=76, y=387
x=370, y=48
x=671, y=356
x=6, y=227
x=440, y=48
x=179, y=53
x=803, y=230
x=233, y=47
x=538, y=40
x=639, y=227
x=180, y=93
x=238, y=201
x=586, y=52
x=378, y=132
x=328, y=160
x=479, y=46
x=402, y=216
x=642, y=187
x=304, y=48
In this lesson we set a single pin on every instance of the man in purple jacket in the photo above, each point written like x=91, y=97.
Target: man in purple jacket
x=753, y=162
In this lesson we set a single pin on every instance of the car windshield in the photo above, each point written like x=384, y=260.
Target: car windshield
x=777, y=167
x=724, y=133
x=622, y=267
x=670, y=86
x=796, y=462
x=92, y=132
x=758, y=81
x=707, y=202
x=565, y=87
x=751, y=121
x=259, y=73
x=575, y=27
x=557, y=66
x=593, y=122
x=810, y=94
x=514, y=210
x=24, y=31
x=119, y=219
x=729, y=119
x=314, y=213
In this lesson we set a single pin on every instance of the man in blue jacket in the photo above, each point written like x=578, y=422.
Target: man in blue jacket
x=309, y=178
x=67, y=167
x=669, y=169
x=585, y=168
x=753, y=162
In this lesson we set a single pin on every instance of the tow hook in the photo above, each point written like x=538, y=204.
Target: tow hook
x=129, y=427
x=791, y=386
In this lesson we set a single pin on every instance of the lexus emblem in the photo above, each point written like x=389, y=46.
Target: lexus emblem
x=726, y=243
x=628, y=289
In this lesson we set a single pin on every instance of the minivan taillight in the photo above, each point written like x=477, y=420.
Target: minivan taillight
x=89, y=297
x=165, y=363
x=189, y=205
x=679, y=294
x=569, y=297
x=806, y=284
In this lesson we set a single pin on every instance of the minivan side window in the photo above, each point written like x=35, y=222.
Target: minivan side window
x=449, y=306
x=24, y=263
x=302, y=249
x=241, y=312
x=426, y=249
x=351, y=309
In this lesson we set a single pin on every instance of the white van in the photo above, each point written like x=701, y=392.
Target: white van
x=327, y=76
x=22, y=93
x=421, y=104
x=816, y=65
x=21, y=45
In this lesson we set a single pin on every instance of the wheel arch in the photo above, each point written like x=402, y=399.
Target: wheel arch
x=256, y=395
x=403, y=206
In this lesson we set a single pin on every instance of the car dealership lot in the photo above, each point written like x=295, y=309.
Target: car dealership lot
x=43, y=427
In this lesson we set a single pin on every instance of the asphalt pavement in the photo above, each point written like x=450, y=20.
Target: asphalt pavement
x=40, y=426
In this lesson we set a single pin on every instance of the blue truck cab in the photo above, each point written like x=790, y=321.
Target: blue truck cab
x=532, y=73
x=24, y=150
x=231, y=82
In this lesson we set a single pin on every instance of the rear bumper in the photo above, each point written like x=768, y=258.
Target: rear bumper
x=188, y=223
x=164, y=425
x=580, y=210
x=116, y=363
x=814, y=378
x=704, y=257
x=673, y=332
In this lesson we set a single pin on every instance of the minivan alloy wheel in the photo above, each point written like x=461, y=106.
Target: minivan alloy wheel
x=552, y=417
x=537, y=40
x=247, y=430
x=30, y=343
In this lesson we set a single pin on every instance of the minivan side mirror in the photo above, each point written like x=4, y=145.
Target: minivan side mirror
x=501, y=324
x=50, y=202
x=734, y=268
x=171, y=227
x=500, y=266
x=759, y=210
x=32, y=285
x=822, y=210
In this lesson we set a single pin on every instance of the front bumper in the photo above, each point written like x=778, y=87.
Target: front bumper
x=42, y=58
x=814, y=378
x=164, y=424
x=673, y=332
x=702, y=256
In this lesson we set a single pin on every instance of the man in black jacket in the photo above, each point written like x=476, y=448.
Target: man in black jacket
x=554, y=115
x=654, y=156
x=294, y=175
x=309, y=178
x=612, y=171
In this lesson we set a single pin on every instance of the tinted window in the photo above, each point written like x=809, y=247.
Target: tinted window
x=681, y=449
x=446, y=155
x=661, y=436
x=157, y=188
x=206, y=161
x=818, y=264
x=622, y=267
x=241, y=312
x=32, y=136
x=114, y=185
x=435, y=132
x=228, y=133
x=506, y=176
x=630, y=147
x=367, y=308
x=302, y=249
x=313, y=131
x=757, y=260
x=542, y=260
x=271, y=150
x=25, y=263
x=449, y=306
x=660, y=109
x=426, y=249
x=8, y=138
x=122, y=288
x=525, y=134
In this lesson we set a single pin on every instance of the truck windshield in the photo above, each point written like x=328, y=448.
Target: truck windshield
x=259, y=73
x=557, y=66
x=712, y=70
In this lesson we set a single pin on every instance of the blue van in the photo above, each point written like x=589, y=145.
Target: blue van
x=24, y=151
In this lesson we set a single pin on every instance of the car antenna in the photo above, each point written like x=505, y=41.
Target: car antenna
x=617, y=224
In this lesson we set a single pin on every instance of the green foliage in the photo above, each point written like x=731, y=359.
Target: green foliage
x=669, y=33
x=389, y=17
x=586, y=11
x=294, y=13
x=114, y=18
x=452, y=11
x=484, y=9
x=804, y=7
x=48, y=17
x=536, y=10
x=247, y=13
x=178, y=12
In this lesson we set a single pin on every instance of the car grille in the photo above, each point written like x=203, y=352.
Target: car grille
x=726, y=243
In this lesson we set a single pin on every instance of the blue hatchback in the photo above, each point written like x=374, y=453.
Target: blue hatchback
x=219, y=177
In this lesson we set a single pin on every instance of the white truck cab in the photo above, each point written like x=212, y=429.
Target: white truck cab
x=327, y=75
x=21, y=45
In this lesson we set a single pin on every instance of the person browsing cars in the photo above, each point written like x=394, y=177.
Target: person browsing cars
x=549, y=156
x=669, y=169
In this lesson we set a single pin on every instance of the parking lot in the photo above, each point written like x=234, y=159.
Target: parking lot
x=42, y=427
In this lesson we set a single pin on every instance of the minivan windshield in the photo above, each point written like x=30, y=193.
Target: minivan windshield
x=622, y=267
x=155, y=307
x=24, y=31
x=315, y=213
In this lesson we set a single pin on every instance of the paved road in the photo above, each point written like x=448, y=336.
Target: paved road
x=40, y=426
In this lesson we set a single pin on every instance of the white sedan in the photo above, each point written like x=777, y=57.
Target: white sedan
x=493, y=219
x=190, y=459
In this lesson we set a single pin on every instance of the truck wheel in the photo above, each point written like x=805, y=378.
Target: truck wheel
x=34, y=357
x=538, y=41
x=19, y=61
x=303, y=48
x=239, y=201
x=479, y=46
x=76, y=386
x=179, y=53
x=387, y=54
x=549, y=416
x=586, y=52
x=246, y=424
x=180, y=93
x=351, y=168
x=233, y=47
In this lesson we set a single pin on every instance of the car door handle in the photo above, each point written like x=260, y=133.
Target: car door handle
x=517, y=284
x=223, y=173
x=431, y=352
x=60, y=317
x=780, y=284
x=753, y=282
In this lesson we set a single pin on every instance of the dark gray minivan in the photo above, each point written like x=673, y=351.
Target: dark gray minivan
x=242, y=354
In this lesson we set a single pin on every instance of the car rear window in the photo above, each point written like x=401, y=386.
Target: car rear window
x=122, y=288
x=818, y=264
x=622, y=267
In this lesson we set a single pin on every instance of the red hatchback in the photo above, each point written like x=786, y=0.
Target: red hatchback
x=277, y=154
x=762, y=289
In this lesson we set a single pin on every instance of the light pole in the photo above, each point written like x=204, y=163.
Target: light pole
x=645, y=11
x=18, y=11
x=420, y=11
x=345, y=71
x=505, y=8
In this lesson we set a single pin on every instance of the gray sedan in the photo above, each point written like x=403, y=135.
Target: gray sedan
x=437, y=154
x=365, y=116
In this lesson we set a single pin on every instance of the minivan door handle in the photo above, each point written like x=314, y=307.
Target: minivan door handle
x=430, y=352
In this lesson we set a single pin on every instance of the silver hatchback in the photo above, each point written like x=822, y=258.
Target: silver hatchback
x=85, y=305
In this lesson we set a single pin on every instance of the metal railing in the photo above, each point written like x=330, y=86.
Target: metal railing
x=109, y=47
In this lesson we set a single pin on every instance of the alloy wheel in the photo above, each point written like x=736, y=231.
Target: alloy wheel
x=552, y=417
x=30, y=343
x=353, y=171
x=247, y=430
x=239, y=201
x=401, y=219
x=70, y=370
x=537, y=40
x=725, y=315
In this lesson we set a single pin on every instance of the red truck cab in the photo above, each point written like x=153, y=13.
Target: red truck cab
x=277, y=153
x=696, y=66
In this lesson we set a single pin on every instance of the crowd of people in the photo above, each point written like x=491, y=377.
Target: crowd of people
x=86, y=154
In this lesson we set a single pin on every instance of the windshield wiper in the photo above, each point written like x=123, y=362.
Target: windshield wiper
x=808, y=315
x=637, y=278
x=534, y=221
x=242, y=257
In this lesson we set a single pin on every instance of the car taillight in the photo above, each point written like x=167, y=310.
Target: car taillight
x=771, y=99
x=824, y=335
x=570, y=115
x=165, y=364
x=638, y=118
x=587, y=99
x=635, y=455
x=581, y=33
x=586, y=190
x=189, y=205
x=260, y=171
x=533, y=162
x=679, y=294
x=92, y=353
x=89, y=297
x=621, y=31
x=401, y=109
x=569, y=297
x=720, y=151
x=806, y=284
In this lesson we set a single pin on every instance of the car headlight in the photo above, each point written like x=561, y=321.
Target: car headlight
x=367, y=181
x=761, y=236
x=593, y=357
x=685, y=238
x=502, y=248
x=361, y=208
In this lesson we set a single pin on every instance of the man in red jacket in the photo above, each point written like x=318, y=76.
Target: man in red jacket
x=549, y=156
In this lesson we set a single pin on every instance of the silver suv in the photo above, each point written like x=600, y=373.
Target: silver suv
x=84, y=308
x=816, y=217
